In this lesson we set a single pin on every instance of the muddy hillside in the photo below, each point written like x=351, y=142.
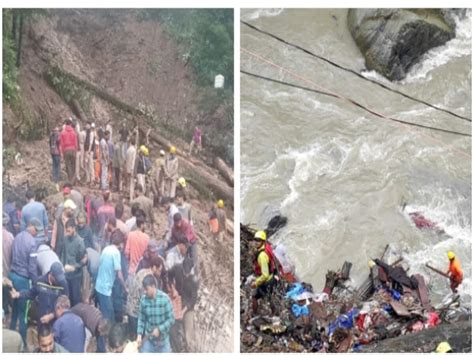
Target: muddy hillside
x=115, y=66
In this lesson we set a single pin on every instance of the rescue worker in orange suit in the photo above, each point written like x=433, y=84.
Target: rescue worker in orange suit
x=454, y=271
x=265, y=270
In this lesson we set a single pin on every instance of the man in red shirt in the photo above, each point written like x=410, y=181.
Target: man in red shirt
x=137, y=243
x=68, y=148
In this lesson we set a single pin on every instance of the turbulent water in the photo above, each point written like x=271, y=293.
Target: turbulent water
x=339, y=174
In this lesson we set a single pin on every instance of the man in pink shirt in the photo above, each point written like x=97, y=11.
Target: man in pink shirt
x=68, y=148
x=137, y=243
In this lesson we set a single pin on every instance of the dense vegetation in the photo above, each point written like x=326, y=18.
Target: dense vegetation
x=13, y=28
x=206, y=37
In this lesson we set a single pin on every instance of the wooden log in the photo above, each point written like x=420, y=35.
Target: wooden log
x=442, y=273
x=225, y=171
x=78, y=111
x=220, y=189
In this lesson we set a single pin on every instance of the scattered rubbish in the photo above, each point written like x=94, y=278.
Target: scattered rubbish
x=389, y=304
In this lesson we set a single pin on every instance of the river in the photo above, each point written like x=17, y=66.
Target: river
x=340, y=174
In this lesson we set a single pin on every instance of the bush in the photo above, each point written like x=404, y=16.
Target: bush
x=10, y=72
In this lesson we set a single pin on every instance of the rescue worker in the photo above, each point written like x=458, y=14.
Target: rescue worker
x=221, y=218
x=265, y=271
x=171, y=173
x=454, y=271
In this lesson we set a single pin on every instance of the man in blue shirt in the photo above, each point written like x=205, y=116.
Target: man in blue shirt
x=69, y=330
x=109, y=268
x=23, y=271
x=33, y=209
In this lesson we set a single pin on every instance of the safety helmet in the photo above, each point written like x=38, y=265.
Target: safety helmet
x=162, y=152
x=371, y=263
x=182, y=181
x=261, y=235
x=144, y=150
x=173, y=149
x=451, y=255
x=220, y=203
x=443, y=347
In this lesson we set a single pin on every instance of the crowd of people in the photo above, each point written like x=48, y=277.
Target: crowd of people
x=83, y=273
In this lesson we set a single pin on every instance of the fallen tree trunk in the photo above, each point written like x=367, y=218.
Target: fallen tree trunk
x=225, y=171
x=220, y=189
x=458, y=335
x=77, y=109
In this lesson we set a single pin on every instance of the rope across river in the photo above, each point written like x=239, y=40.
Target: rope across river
x=353, y=71
x=351, y=101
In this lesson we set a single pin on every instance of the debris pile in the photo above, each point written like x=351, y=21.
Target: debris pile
x=389, y=304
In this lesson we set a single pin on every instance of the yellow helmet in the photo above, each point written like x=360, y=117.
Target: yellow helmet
x=261, y=235
x=173, y=149
x=182, y=181
x=443, y=347
x=451, y=255
x=144, y=150
x=220, y=203
x=371, y=263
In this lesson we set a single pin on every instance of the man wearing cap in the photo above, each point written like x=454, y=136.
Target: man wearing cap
x=59, y=226
x=33, y=209
x=45, y=292
x=153, y=249
x=171, y=173
x=55, y=155
x=89, y=147
x=74, y=194
x=23, y=270
x=73, y=258
x=68, y=147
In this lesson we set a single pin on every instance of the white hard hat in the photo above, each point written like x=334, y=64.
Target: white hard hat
x=93, y=125
x=162, y=152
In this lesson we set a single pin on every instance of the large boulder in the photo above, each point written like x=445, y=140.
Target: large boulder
x=393, y=40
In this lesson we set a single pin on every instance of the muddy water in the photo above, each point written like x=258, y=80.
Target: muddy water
x=340, y=174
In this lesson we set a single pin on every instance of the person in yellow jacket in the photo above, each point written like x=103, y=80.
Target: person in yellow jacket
x=265, y=268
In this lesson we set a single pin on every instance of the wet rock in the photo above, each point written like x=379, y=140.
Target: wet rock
x=393, y=40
